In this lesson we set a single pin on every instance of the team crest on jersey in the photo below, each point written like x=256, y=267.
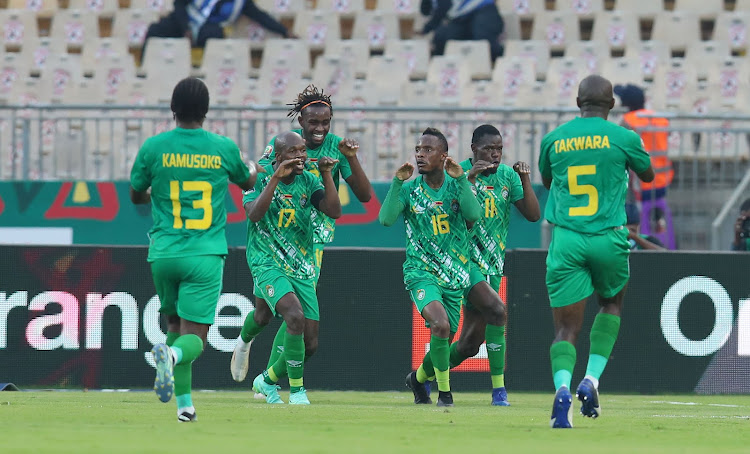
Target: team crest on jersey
x=267, y=152
x=420, y=294
x=505, y=193
x=454, y=205
x=303, y=200
x=270, y=291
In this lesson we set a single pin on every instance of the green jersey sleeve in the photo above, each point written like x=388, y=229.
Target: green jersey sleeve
x=236, y=168
x=516, y=187
x=545, y=167
x=637, y=157
x=394, y=203
x=140, y=174
x=268, y=154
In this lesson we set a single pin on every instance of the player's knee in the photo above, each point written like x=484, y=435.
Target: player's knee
x=262, y=317
x=497, y=314
x=467, y=350
x=295, y=321
x=440, y=328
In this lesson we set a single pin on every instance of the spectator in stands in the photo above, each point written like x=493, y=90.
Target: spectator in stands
x=742, y=228
x=636, y=239
x=200, y=20
x=467, y=20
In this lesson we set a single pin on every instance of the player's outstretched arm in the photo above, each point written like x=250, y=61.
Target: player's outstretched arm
x=470, y=208
x=358, y=180
x=256, y=209
x=328, y=203
x=647, y=175
x=392, y=205
x=140, y=197
x=250, y=182
x=529, y=204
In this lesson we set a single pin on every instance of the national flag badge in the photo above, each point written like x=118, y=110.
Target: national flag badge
x=313, y=159
x=270, y=291
x=490, y=188
x=438, y=203
x=420, y=294
x=288, y=196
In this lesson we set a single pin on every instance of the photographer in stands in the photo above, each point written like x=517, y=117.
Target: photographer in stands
x=742, y=228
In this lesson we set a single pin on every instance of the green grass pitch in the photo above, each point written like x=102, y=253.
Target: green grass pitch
x=353, y=422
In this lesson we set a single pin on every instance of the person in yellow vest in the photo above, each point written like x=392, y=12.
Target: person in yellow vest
x=654, y=141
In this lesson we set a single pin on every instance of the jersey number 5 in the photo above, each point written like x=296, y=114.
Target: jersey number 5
x=204, y=203
x=583, y=189
x=440, y=224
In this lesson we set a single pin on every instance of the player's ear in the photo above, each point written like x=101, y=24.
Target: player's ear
x=299, y=119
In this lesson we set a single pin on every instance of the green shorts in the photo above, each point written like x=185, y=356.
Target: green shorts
x=189, y=286
x=476, y=276
x=579, y=264
x=423, y=292
x=271, y=284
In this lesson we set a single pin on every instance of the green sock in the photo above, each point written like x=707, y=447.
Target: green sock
x=455, y=357
x=250, y=329
x=563, y=357
x=495, y=336
x=422, y=375
x=184, y=400
x=171, y=337
x=440, y=354
x=603, y=337
x=427, y=368
x=278, y=346
x=191, y=347
x=294, y=350
x=183, y=381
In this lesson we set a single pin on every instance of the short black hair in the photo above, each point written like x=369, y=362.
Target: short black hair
x=190, y=100
x=436, y=132
x=484, y=130
x=745, y=205
x=310, y=95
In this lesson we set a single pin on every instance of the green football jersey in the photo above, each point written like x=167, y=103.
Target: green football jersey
x=587, y=160
x=437, y=239
x=188, y=171
x=324, y=226
x=283, y=238
x=496, y=193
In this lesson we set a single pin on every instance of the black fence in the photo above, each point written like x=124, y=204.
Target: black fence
x=87, y=316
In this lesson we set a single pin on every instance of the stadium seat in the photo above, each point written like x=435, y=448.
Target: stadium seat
x=162, y=7
x=292, y=50
x=19, y=28
x=246, y=92
x=512, y=27
x=415, y=52
x=376, y=27
x=22, y=92
x=283, y=9
x=223, y=54
x=475, y=54
x=344, y=8
x=557, y=28
x=644, y=9
x=649, y=53
x=41, y=8
x=402, y=8
x=332, y=72
x=704, y=9
x=14, y=67
x=385, y=74
x=112, y=74
x=418, y=93
x=623, y=70
x=60, y=74
x=37, y=53
x=618, y=29
x=74, y=27
x=95, y=49
x=355, y=51
x=317, y=28
x=538, y=50
x=705, y=55
x=524, y=9
x=279, y=75
x=582, y=8
x=244, y=28
x=730, y=78
x=449, y=74
x=676, y=29
x=480, y=95
x=673, y=81
x=512, y=75
x=590, y=52
x=732, y=28
x=102, y=8
x=166, y=62
x=561, y=84
x=132, y=25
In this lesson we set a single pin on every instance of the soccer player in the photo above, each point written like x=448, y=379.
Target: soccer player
x=188, y=170
x=584, y=163
x=438, y=253
x=314, y=111
x=280, y=238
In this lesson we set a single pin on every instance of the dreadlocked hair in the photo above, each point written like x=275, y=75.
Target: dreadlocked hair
x=309, y=96
x=190, y=100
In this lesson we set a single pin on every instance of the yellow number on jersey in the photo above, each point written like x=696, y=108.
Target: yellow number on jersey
x=583, y=189
x=289, y=214
x=440, y=224
x=204, y=203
